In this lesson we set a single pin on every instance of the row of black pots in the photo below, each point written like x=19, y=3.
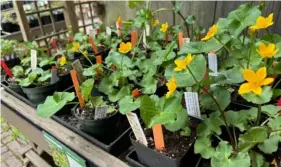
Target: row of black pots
x=10, y=27
x=6, y=5
x=33, y=22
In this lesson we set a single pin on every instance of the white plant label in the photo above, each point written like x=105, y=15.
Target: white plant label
x=93, y=33
x=186, y=40
x=147, y=30
x=108, y=31
x=33, y=59
x=101, y=112
x=192, y=104
x=213, y=65
x=118, y=29
x=144, y=39
x=136, y=126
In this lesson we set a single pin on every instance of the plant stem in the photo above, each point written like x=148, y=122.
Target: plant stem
x=228, y=51
x=259, y=115
x=122, y=62
x=234, y=134
x=161, y=9
x=220, y=109
x=249, y=54
x=86, y=57
x=276, y=130
x=72, y=103
x=277, y=83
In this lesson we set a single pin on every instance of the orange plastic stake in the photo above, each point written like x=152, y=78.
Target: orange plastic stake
x=76, y=86
x=158, y=137
x=98, y=61
x=134, y=38
x=93, y=45
x=166, y=37
x=180, y=38
x=135, y=93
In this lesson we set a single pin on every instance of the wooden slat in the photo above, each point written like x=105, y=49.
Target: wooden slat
x=22, y=21
x=71, y=139
x=52, y=18
x=36, y=159
x=70, y=15
x=82, y=17
x=27, y=129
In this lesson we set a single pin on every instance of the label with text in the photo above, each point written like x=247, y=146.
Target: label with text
x=33, y=58
x=101, y=112
x=136, y=126
x=192, y=104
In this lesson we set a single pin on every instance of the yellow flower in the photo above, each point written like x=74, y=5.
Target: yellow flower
x=267, y=51
x=155, y=22
x=212, y=31
x=118, y=20
x=164, y=27
x=125, y=48
x=181, y=64
x=62, y=60
x=172, y=86
x=76, y=46
x=262, y=23
x=255, y=81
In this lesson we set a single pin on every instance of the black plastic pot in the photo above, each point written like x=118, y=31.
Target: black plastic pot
x=11, y=61
x=37, y=95
x=64, y=82
x=10, y=27
x=33, y=22
x=115, y=146
x=15, y=87
x=133, y=159
x=152, y=158
x=101, y=128
x=45, y=20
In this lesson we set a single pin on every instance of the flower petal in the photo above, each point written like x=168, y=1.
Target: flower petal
x=249, y=75
x=245, y=88
x=267, y=81
x=257, y=90
x=261, y=74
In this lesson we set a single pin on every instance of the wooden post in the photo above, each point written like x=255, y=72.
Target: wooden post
x=70, y=16
x=22, y=21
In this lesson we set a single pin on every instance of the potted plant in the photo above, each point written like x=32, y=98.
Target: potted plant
x=13, y=82
x=8, y=53
x=9, y=23
x=37, y=86
x=248, y=136
x=33, y=21
x=58, y=15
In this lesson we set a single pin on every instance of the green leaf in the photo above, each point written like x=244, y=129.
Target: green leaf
x=271, y=110
x=45, y=76
x=277, y=68
x=237, y=119
x=259, y=99
x=54, y=103
x=222, y=157
x=221, y=95
x=106, y=85
x=255, y=135
x=275, y=123
x=97, y=101
x=91, y=71
x=28, y=81
x=180, y=122
x=119, y=60
x=134, y=4
x=257, y=159
x=116, y=95
x=177, y=6
x=17, y=71
x=190, y=20
x=127, y=104
x=186, y=131
x=148, y=109
x=86, y=88
x=149, y=84
x=230, y=76
x=162, y=118
x=270, y=145
x=209, y=126
x=184, y=78
x=203, y=146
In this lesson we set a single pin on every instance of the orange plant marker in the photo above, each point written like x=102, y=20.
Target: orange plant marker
x=98, y=61
x=76, y=86
x=134, y=38
x=136, y=92
x=93, y=45
x=158, y=137
x=180, y=38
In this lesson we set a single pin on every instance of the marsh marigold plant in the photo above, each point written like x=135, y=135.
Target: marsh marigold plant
x=172, y=86
x=262, y=22
x=125, y=47
x=182, y=64
x=267, y=51
x=164, y=27
x=255, y=81
x=211, y=33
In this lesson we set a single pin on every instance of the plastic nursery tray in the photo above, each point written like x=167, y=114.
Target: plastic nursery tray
x=116, y=147
x=133, y=159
